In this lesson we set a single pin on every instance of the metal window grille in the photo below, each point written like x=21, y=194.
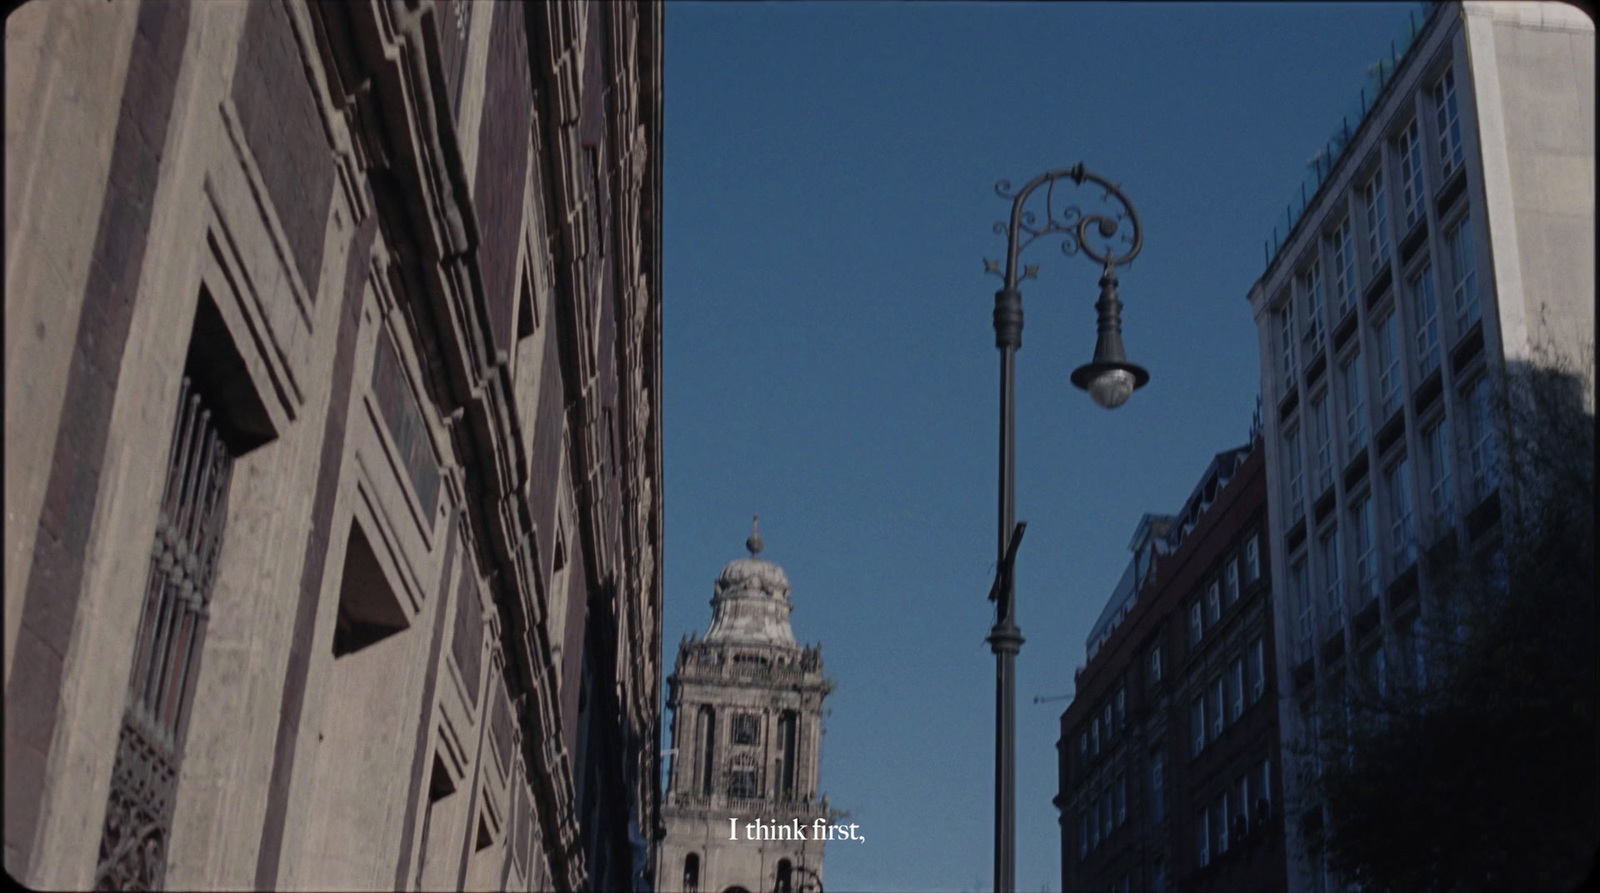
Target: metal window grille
x=183, y=563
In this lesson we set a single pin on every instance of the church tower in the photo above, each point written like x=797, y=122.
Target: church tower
x=746, y=706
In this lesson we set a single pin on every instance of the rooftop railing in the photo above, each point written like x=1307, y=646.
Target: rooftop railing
x=1322, y=164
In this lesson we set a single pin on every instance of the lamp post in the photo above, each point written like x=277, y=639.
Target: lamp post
x=1109, y=378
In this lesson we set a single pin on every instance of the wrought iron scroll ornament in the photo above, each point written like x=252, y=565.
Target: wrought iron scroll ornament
x=1112, y=236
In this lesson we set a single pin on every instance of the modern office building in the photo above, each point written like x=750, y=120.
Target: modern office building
x=1169, y=767
x=333, y=444
x=1444, y=240
x=746, y=705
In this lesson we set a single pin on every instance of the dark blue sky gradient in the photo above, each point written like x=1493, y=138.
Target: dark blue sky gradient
x=830, y=362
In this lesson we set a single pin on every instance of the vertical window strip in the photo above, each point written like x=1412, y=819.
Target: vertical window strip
x=1333, y=573
x=1450, y=149
x=1355, y=403
x=1411, y=191
x=1324, y=435
x=1294, y=479
x=1344, y=270
x=1377, y=224
x=1440, y=496
x=1425, y=309
x=1401, y=532
x=1464, y=275
x=1389, y=364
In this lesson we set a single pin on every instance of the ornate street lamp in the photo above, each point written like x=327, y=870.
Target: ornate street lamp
x=1109, y=378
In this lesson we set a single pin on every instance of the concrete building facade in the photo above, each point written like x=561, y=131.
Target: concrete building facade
x=742, y=809
x=1448, y=242
x=333, y=467
x=1169, y=770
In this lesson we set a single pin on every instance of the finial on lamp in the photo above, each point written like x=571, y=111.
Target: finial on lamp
x=754, y=543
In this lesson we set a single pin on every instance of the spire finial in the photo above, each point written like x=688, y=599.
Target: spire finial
x=754, y=543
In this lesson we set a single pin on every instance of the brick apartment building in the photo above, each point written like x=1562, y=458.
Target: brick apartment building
x=1169, y=772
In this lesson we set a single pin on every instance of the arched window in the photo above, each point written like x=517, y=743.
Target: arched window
x=691, y=873
x=787, y=743
x=784, y=872
x=707, y=748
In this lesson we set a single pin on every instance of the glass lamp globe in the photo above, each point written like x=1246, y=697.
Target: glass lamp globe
x=1112, y=388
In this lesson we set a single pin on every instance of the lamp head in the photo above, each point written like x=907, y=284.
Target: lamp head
x=1109, y=378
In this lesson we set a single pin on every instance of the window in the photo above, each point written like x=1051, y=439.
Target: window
x=1293, y=479
x=1311, y=729
x=1286, y=343
x=1380, y=672
x=1321, y=430
x=1155, y=663
x=1094, y=823
x=1441, y=496
x=1333, y=573
x=1344, y=270
x=1414, y=650
x=691, y=871
x=1260, y=783
x=1105, y=719
x=1232, y=576
x=1083, y=748
x=1301, y=606
x=1425, y=310
x=1194, y=622
x=1121, y=705
x=1203, y=829
x=1444, y=103
x=1213, y=603
x=1411, y=192
x=1402, y=533
x=1355, y=407
x=1252, y=560
x=1219, y=823
x=1463, y=275
x=1121, y=798
x=1313, y=287
x=1388, y=347
x=1258, y=669
x=1197, y=726
x=1480, y=439
x=1158, y=792
x=1094, y=736
x=1214, y=701
x=744, y=729
x=1241, y=793
x=742, y=783
x=1105, y=817
x=1083, y=834
x=707, y=734
x=1236, y=690
x=1366, y=550
x=1377, y=224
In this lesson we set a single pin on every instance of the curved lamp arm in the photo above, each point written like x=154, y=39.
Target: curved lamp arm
x=1070, y=222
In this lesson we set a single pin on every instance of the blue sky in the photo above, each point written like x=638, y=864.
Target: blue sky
x=830, y=363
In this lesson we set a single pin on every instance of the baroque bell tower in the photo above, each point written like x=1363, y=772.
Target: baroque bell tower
x=746, y=706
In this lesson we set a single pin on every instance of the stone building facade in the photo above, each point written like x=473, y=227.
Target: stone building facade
x=333, y=467
x=1169, y=770
x=1447, y=248
x=746, y=706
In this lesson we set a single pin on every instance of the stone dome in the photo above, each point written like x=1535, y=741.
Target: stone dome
x=752, y=602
